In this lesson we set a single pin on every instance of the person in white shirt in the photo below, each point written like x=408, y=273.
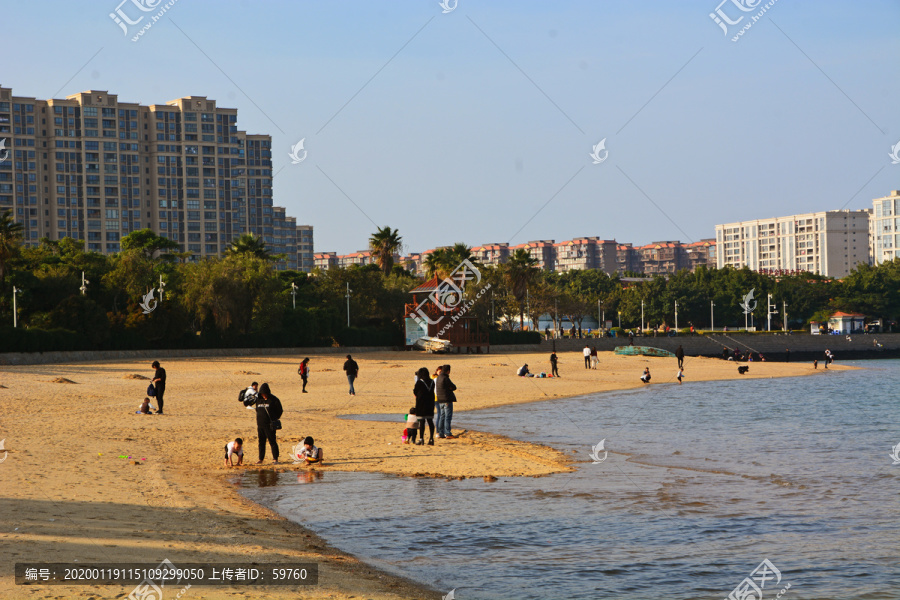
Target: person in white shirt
x=587, y=357
x=251, y=395
x=235, y=448
x=310, y=453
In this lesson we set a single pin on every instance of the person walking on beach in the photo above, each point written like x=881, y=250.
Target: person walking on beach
x=553, y=360
x=352, y=370
x=424, y=392
x=444, y=391
x=587, y=356
x=303, y=371
x=268, y=413
x=679, y=354
x=594, y=357
x=159, y=382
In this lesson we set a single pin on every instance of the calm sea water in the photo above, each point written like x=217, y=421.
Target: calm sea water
x=702, y=483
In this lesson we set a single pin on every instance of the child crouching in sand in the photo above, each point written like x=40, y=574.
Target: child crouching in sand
x=144, y=408
x=235, y=448
x=310, y=453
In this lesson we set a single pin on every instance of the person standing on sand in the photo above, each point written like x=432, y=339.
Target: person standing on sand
x=595, y=358
x=424, y=392
x=159, y=382
x=268, y=410
x=553, y=360
x=587, y=356
x=679, y=354
x=444, y=390
x=787, y=355
x=352, y=370
x=437, y=407
x=303, y=371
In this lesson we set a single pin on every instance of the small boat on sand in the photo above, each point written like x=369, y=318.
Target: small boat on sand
x=643, y=351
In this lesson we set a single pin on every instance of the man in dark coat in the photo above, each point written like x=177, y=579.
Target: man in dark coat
x=444, y=392
x=352, y=370
x=159, y=382
x=424, y=392
x=268, y=409
x=679, y=354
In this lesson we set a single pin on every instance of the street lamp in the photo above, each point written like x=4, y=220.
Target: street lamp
x=676, y=316
x=642, y=316
x=294, y=294
x=620, y=319
x=162, y=287
x=15, y=316
x=348, y=304
x=712, y=322
x=84, y=284
x=769, y=313
x=784, y=316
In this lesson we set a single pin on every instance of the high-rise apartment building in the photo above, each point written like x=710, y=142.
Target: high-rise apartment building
x=885, y=228
x=829, y=243
x=93, y=168
x=586, y=253
x=305, y=255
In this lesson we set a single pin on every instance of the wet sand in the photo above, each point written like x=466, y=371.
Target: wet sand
x=67, y=496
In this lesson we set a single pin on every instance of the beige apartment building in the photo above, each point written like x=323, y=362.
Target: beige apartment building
x=829, y=243
x=93, y=168
x=885, y=228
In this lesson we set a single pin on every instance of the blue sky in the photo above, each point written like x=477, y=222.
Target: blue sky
x=479, y=129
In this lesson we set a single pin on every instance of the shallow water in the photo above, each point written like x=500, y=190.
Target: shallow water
x=701, y=483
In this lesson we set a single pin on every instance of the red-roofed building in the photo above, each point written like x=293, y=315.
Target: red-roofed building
x=362, y=258
x=586, y=253
x=325, y=260
x=841, y=322
x=491, y=254
x=541, y=250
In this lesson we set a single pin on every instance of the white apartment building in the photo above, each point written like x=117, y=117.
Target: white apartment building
x=885, y=225
x=829, y=243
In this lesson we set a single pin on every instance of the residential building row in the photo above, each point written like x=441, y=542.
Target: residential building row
x=830, y=243
x=581, y=253
x=93, y=168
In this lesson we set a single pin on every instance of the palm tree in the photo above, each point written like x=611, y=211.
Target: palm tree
x=436, y=263
x=383, y=244
x=249, y=244
x=10, y=237
x=520, y=269
x=458, y=253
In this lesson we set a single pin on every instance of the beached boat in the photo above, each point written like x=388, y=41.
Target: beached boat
x=643, y=351
x=432, y=344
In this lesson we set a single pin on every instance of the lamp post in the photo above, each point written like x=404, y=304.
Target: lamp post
x=642, y=316
x=15, y=315
x=348, y=304
x=676, y=316
x=712, y=322
x=294, y=294
x=84, y=284
x=769, y=312
x=784, y=316
x=620, y=319
x=162, y=286
x=599, y=314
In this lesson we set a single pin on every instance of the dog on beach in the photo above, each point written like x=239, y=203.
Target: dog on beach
x=743, y=369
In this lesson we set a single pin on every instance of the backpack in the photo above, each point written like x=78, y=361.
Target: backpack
x=241, y=395
x=151, y=391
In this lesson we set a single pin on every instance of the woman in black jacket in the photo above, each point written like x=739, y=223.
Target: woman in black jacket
x=268, y=409
x=424, y=391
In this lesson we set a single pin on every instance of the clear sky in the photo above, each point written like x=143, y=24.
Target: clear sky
x=477, y=125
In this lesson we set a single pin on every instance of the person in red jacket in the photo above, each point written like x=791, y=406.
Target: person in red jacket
x=303, y=371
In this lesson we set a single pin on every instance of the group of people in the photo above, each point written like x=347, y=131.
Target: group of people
x=433, y=393
x=591, y=358
x=157, y=389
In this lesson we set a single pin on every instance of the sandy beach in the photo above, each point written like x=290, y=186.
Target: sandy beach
x=68, y=496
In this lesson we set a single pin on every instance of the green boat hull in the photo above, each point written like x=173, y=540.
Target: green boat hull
x=643, y=351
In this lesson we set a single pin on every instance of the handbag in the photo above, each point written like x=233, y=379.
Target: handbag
x=151, y=391
x=275, y=424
